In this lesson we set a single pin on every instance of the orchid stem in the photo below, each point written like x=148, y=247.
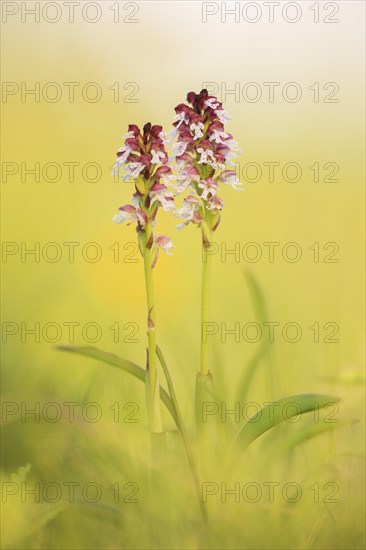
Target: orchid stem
x=152, y=386
x=205, y=297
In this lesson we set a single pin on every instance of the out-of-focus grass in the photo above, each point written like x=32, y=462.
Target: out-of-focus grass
x=253, y=503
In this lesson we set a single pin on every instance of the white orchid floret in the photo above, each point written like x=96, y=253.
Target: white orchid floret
x=130, y=213
x=168, y=179
x=186, y=211
x=164, y=243
x=160, y=193
x=209, y=187
x=186, y=175
x=157, y=156
x=183, y=184
x=215, y=203
x=133, y=169
x=207, y=156
x=222, y=115
x=166, y=137
x=179, y=148
x=189, y=211
x=219, y=137
x=212, y=103
x=229, y=177
x=233, y=145
x=230, y=158
x=166, y=201
x=182, y=163
x=180, y=118
x=121, y=217
x=197, y=129
x=121, y=159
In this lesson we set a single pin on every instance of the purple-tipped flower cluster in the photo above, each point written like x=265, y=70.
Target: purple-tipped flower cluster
x=202, y=150
x=144, y=159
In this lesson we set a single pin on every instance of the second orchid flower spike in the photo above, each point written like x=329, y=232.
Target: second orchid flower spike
x=143, y=159
x=202, y=150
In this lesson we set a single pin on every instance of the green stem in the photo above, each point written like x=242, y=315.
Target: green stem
x=205, y=296
x=152, y=388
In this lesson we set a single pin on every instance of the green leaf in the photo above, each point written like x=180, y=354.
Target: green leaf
x=277, y=412
x=123, y=364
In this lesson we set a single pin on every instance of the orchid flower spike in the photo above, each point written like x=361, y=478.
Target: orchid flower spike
x=143, y=159
x=202, y=149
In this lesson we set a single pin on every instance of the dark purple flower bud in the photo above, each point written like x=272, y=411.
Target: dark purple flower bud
x=155, y=130
x=191, y=96
x=135, y=129
x=200, y=100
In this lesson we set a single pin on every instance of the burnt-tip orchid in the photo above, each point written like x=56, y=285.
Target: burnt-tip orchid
x=143, y=159
x=202, y=150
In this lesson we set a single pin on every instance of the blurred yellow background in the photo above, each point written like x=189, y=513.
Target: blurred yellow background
x=155, y=61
